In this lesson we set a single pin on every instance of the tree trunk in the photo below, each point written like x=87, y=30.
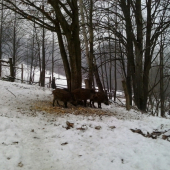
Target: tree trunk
x=71, y=32
x=126, y=95
x=1, y=31
x=43, y=60
x=138, y=88
x=75, y=62
x=162, y=97
x=52, y=70
x=11, y=69
x=64, y=56
x=88, y=56
x=32, y=57
x=101, y=63
x=148, y=56
x=91, y=40
x=97, y=77
x=129, y=49
x=14, y=45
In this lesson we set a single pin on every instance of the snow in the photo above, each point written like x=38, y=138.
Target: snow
x=37, y=140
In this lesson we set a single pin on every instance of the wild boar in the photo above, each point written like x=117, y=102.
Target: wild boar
x=83, y=94
x=62, y=95
x=99, y=97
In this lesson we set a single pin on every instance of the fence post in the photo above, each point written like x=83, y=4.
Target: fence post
x=22, y=73
x=86, y=81
x=50, y=82
x=53, y=85
x=11, y=70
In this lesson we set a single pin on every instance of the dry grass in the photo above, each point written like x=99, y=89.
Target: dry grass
x=79, y=110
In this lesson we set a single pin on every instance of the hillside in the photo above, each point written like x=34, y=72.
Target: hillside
x=36, y=136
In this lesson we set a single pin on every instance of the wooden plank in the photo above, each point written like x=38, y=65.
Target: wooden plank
x=5, y=65
x=4, y=61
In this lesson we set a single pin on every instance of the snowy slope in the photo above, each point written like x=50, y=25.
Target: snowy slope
x=37, y=140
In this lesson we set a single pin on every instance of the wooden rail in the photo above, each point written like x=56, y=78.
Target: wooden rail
x=10, y=64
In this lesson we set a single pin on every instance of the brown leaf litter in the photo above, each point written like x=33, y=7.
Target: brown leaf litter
x=153, y=135
x=79, y=110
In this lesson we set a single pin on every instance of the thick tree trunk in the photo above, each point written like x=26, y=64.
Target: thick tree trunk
x=129, y=48
x=71, y=32
x=139, y=86
x=148, y=56
x=75, y=63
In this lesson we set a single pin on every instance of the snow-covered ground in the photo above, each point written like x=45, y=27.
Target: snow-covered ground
x=38, y=140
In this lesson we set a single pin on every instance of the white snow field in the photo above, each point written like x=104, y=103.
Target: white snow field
x=38, y=140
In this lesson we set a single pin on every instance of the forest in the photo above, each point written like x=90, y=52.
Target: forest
x=115, y=45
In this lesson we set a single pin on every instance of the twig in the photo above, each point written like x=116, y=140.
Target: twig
x=11, y=92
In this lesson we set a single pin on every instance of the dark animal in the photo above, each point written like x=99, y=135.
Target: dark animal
x=99, y=97
x=66, y=89
x=62, y=95
x=83, y=94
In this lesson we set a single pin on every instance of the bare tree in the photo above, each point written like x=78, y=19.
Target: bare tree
x=140, y=39
x=61, y=17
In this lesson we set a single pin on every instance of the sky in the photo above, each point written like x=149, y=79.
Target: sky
x=36, y=136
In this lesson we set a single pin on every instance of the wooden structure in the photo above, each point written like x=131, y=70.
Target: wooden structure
x=9, y=63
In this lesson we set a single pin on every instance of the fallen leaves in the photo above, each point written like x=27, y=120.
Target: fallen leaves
x=32, y=130
x=65, y=143
x=20, y=164
x=112, y=127
x=82, y=128
x=153, y=135
x=165, y=137
x=98, y=127
x=13, y=143
x=47, y=107
x=69, y=125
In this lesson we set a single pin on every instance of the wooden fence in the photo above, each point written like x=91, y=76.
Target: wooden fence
x=9, y=64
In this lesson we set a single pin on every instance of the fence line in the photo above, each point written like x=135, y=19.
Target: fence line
x=10, y=64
